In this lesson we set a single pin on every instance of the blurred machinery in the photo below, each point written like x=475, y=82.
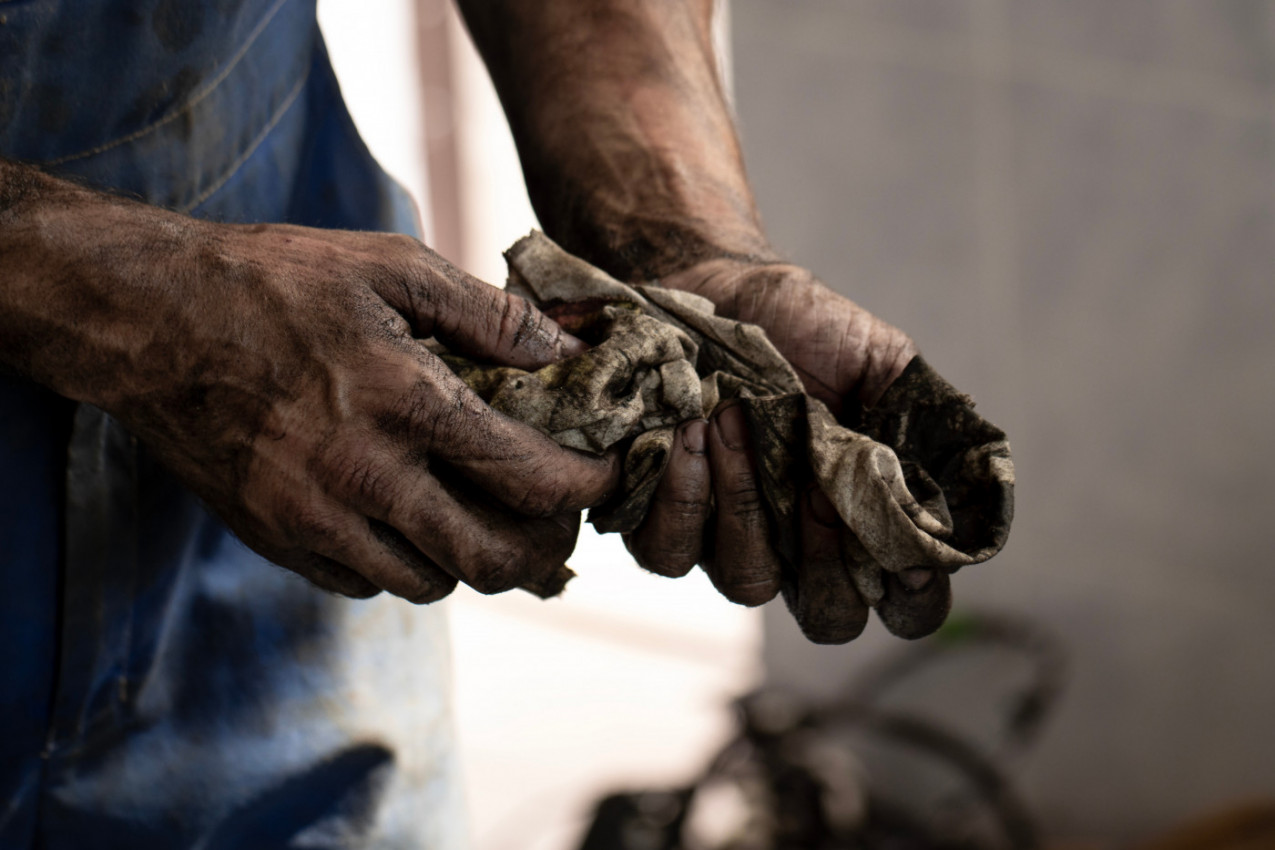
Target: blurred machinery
x=875, y=768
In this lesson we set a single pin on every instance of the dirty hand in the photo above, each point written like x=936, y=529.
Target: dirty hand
x=274, y=370
x=632, y=163
x=844, y=355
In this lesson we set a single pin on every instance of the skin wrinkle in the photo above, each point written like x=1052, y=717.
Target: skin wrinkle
x=632, y=163
x=263, y=366
x=437, y=582
x=841, y=355
x=638, y=189
x=329, y=575
x=527, y=326
x=583, y=184
x=347, y=470
x=737, y=548
x=743, y=566
x=533, y=341
x=507, y=556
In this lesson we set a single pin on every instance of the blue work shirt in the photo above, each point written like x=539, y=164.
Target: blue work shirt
x=162, y=686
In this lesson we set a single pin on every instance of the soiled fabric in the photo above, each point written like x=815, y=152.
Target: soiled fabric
x=920, y=479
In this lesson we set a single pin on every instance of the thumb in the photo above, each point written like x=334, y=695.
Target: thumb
x=479, y=320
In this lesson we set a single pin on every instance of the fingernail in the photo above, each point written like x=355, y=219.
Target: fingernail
x=570, y=346
x=694, y=436
x=916, y=578
x=824, y=512
x=732, y=427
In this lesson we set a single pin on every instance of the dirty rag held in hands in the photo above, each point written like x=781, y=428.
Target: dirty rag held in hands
x=919, y=478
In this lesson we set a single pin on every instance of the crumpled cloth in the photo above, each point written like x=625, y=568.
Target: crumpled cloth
x=919, y=478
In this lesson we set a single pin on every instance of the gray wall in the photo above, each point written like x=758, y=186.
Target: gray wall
x=1070, y=204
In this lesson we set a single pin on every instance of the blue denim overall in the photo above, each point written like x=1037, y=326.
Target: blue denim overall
x=161, y=686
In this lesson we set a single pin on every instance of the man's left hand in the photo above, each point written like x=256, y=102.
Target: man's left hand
x=709, y=508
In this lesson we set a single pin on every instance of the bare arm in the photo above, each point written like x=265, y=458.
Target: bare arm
x=275, y=369
x=632, y=161
x=626, y=140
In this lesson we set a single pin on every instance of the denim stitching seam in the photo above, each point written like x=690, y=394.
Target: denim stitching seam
x=188, y=106
x=252, y=147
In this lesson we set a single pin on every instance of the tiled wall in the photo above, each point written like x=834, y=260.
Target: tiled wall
x=1071, y=205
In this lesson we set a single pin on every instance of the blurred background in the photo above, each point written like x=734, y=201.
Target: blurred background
x=1070, y=205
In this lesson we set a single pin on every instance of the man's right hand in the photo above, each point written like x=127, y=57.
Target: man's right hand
x=277, y=371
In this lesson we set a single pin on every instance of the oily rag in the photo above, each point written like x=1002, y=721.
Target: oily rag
x=919, y=478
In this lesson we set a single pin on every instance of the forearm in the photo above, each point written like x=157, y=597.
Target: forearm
x=626, y=139
x=78, y=273
x=276, y=371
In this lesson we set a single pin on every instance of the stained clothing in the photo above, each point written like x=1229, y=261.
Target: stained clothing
x=160, y=685
x=919, y=479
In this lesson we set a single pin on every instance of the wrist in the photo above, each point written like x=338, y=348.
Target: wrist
x=627, y=142
x=744, y=288
x=683, y=254
x=82, y=270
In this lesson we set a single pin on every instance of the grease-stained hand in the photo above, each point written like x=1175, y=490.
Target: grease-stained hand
x=280, y=375
x=708, y=508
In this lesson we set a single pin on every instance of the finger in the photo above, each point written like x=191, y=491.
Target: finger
x=744, y=567
x=513, y=462
x=824, y=600
x=384, y=558
x=307, y=526
x=914, y=607
x=488, y=548
x=396, y=551
x=413, y=514
x=472, y=317
x=669, y=539
x=327, y=574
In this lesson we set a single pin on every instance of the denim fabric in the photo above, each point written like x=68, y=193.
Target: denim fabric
x=161, y=686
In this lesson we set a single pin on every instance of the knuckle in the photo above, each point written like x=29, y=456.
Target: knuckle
x=535, y=502
x=496, y=572
x=548, y=493
x=409, y=415
x=397, y=268
x=353, y=475
x=437, y=410
x=564, y=481
x=510, y=320
x=685, y=513
x=452, y=414
x=521, y=326
x=400, y=256
x=312, y=524
x=745, y=503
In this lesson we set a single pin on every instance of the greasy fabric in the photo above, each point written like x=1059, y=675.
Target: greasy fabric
x=160, y=685
x=919, y=478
